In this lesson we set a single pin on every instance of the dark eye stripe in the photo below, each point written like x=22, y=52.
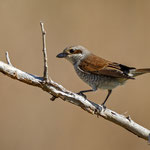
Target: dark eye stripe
x=78, y=51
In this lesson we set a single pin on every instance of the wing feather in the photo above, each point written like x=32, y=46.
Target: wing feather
x=100, y=66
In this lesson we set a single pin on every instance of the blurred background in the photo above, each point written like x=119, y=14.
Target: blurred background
x=118, y=30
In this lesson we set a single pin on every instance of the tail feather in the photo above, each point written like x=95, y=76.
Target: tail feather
x=137, y=72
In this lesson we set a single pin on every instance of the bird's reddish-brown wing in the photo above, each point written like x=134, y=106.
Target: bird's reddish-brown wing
x=96, y=65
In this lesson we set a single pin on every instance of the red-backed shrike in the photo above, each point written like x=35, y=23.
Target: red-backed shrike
x=98, y=72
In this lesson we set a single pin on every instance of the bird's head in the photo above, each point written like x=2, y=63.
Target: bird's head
x=74, y=53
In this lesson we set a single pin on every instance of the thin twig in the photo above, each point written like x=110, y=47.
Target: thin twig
x=8, y=59
x=45, y=76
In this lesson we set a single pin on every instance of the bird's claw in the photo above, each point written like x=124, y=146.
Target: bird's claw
x=81, y=94
x=104, y=107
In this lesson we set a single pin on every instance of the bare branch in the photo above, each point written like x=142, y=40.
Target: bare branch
x=8, y=59
x=57, y=90
x=45, y=76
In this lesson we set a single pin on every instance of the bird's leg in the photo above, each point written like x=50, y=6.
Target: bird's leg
x=81, y=92
x=109, y=92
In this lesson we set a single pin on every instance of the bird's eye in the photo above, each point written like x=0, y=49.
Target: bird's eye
x=71, y=51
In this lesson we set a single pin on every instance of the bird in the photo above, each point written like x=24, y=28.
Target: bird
x=97, y=72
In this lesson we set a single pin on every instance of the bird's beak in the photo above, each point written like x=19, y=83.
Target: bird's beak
x=62, y=55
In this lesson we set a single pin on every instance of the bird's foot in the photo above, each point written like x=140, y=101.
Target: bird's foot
x=104, y=107
x=81, y=94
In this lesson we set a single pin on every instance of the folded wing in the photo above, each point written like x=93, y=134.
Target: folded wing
x=100, y=66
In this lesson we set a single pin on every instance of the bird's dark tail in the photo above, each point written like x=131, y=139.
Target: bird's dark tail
x=137, y=72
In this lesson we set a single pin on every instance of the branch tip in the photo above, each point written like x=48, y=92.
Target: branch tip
x=7, y=58
x=45, y=75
